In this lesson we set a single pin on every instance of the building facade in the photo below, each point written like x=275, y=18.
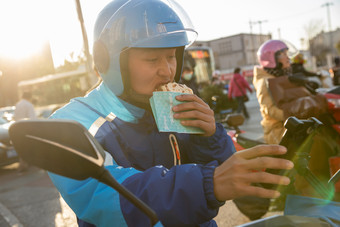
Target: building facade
x=324, y=47
x=235, y=51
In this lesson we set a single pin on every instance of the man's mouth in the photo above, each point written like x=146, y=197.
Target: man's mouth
x=161, y=84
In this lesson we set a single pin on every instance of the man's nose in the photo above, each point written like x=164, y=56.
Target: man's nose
x=165, y=68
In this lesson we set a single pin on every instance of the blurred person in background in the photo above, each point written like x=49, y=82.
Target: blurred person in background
x=297, y=65
x=24, y=109
x=238, y=87
x=188, y=78
x=278, y=97
x=215, y=80
x=335, y=71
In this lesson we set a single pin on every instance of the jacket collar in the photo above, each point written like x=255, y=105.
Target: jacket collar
x=105, y=102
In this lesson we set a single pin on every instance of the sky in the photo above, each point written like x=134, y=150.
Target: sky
x=26, y=24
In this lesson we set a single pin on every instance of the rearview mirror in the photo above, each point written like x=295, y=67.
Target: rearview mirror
x=62, y=147
x=66, y=148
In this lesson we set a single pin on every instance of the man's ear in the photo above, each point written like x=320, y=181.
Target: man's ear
x=101, y=56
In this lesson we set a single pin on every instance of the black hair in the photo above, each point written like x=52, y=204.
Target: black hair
x=278, y=70
x=186, y=68
x=237, y=70
x=277, y=53
x=337, y=60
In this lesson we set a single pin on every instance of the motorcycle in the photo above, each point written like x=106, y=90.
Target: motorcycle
x=39, y=143
x=331, y=120
x=240, y=138
x=232, y=121
x=326, y=206
x=50, y=145
x=331, y=126
x=220, y=113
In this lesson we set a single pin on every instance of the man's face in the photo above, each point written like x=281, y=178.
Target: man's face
x=149, y=68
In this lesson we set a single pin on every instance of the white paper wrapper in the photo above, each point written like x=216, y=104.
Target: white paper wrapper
x=161, y=103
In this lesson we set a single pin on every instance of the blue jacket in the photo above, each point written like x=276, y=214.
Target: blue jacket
x=141, y=158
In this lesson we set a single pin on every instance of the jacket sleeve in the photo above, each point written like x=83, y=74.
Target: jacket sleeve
x=184, y=194
x=230, y=90
x=217, y=147
x=246, y=84
x=92, y=201
x=265, y=100
x=180, y=196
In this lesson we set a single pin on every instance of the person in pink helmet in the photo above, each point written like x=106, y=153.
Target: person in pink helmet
x=277, y=96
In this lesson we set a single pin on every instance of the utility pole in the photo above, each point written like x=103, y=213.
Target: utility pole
x=251, y=23
x=89, y=70
x=279, y=33
x=327, y=5
x=252, y=42
x=260, y=26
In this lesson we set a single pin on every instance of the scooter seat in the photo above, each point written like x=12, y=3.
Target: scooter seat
x=252, y=138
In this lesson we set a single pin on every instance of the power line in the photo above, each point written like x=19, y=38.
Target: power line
x=259, y=23
x=288, y=17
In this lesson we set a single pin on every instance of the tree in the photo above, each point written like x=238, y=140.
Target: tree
x=313, y=27
x=72, y=62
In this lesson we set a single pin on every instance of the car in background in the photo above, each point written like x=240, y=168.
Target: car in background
x=8, y=155
x=7, y=113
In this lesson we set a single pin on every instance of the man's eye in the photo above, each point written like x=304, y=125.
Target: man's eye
x=172, y=57
x=151, y=59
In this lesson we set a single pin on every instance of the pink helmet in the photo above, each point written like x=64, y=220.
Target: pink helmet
x=266, y=52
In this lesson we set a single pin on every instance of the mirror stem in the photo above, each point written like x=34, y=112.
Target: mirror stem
x=107, y=179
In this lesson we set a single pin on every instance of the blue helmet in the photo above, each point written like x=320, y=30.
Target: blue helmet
x=125, y=24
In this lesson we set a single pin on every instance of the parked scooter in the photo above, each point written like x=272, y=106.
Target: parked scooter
x=220, y=113
x=240, y=138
